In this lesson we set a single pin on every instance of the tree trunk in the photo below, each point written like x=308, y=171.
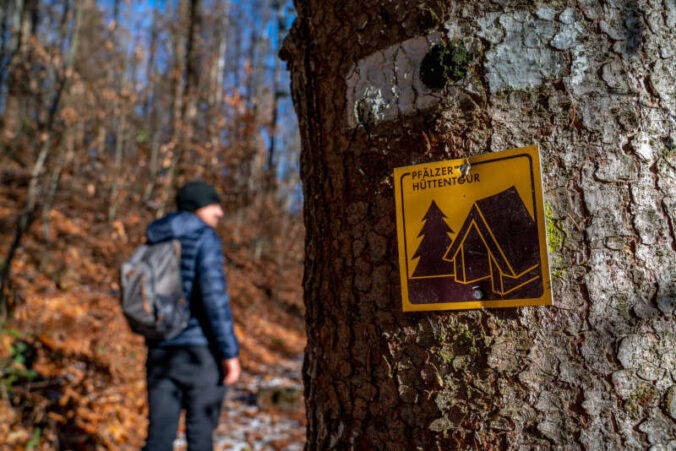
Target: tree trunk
x=177, y=83
x=154, y=155
x=251, y=88
x=257, y=56
x=151, y=109
x=279, y=6
x=185, y=93
x=66, y=146
x=221, y=41
x=24, y=28
x=4, y=14
x=593, y=86
x=149, y=99
x=218, y=72
x=120, y=143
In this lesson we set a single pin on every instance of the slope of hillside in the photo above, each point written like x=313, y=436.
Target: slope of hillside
x=72, y=373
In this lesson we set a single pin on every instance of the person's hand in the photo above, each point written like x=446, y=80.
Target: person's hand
x=231, y=370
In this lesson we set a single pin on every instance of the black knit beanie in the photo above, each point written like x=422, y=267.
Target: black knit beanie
x=194, y=195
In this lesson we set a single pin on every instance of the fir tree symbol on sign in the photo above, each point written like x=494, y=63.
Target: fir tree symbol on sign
x=433, y=247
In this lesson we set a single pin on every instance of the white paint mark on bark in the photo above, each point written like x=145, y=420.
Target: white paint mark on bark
x=386, y=84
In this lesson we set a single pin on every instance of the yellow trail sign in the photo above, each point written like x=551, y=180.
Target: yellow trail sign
x=471, y=232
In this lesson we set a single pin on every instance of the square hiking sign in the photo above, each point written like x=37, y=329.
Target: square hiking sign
x=471, y=232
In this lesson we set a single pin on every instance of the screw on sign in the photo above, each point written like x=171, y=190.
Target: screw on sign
x=471, y=232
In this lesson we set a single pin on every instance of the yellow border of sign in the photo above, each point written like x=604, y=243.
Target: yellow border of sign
x=545, y=299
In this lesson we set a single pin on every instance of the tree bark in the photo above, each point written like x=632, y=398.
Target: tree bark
x=592, y=84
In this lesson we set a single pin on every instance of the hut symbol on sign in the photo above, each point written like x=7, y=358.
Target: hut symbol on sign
x=498, y=241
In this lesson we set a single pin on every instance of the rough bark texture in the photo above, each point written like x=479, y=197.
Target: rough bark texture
x=593, y=84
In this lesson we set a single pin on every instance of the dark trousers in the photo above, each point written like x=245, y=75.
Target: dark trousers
x=183, y=378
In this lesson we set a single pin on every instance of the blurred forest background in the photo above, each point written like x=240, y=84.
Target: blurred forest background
x=106, y=106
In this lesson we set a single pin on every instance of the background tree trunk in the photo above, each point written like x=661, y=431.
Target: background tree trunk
x=592, y=84
x=185, y=91
x=66, y=146
x=24, y=28
x=275, y=95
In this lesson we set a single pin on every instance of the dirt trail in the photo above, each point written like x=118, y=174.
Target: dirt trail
x=246, y=426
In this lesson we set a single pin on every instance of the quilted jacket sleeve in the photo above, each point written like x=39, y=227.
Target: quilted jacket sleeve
x=215, y=297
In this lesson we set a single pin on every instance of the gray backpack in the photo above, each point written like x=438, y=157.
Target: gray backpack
x=152, y=293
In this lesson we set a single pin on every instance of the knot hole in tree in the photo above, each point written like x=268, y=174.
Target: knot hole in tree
x=445, y=61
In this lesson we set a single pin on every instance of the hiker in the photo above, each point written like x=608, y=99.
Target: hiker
x=191, y=370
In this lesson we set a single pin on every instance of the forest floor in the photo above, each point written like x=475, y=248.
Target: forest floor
x=72, y=373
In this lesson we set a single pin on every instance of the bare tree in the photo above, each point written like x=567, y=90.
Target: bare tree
x=278, y=5
x=71, y=116
x=24, y=20
x=185, y=90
